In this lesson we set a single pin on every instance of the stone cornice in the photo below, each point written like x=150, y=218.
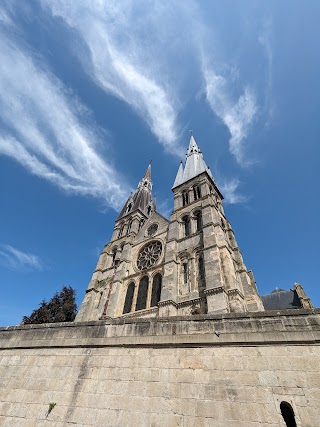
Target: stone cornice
x=229, y=329
x=216, y=290
x=235, y=291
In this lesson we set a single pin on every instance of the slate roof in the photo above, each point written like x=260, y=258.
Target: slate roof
x=281, y=300
x=195, y=165
x=142, y=197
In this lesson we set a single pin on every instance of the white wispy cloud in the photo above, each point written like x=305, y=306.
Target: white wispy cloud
x=41, y=127
x=230, y=191
x=15, y=259
x=238, y=115
x=265, y=39
x=117, y=55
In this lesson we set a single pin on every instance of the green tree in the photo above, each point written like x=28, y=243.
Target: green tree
x=61, y=308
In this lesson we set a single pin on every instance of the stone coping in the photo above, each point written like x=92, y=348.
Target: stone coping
x=193, y=318
x=297, y=327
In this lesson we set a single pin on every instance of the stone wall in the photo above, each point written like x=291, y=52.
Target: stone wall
x=230, y=370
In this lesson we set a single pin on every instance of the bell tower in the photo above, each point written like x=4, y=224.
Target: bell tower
x=204, y=269
x=115, y=260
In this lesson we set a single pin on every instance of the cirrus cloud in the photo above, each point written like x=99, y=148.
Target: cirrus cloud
x=15, y=259
x=42, y=127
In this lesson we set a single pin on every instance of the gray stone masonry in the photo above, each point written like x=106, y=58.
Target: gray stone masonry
x=223, y=370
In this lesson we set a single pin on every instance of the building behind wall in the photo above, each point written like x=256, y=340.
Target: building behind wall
x=190, y=264
x=171, y=333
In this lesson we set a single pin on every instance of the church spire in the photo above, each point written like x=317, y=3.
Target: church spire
x=142, y=197
x=147, y=174
x=195, y=164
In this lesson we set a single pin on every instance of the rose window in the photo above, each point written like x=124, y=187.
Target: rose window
x=152, y=229
x=149, y=255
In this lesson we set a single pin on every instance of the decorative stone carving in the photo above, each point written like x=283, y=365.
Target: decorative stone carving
x=149, y=255
x=152, y=229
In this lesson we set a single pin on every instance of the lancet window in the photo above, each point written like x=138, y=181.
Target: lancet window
x=129, y=299
x=196, y=192
x=185, y=272
x=129, y=207
x=142, y=293
x=114, y=253
x=198, y=216
x=121, y=230
x=185, y=198
x=186, y=225
x=201, y=267
x=156, y=289
x=129, y=227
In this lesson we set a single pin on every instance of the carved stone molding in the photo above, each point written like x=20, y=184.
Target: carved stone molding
x=216, y=290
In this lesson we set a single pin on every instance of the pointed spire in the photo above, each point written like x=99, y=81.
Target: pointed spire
x=193, y=147
x=194, y=166
x=142, y=197
x=179, y=177
x=147, y=174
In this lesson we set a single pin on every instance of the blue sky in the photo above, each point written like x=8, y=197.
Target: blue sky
x=92, y=90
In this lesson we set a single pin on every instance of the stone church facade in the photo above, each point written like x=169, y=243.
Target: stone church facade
x=190, y=264
x=171, y=333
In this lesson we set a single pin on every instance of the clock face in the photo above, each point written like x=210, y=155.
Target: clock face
x=149, y=255
x=152, y=229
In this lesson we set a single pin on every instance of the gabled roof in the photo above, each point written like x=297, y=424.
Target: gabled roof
x=194, y=166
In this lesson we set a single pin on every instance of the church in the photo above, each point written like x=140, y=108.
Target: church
x=172, y=331
x=188, y=265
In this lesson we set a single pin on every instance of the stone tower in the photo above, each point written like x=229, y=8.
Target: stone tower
x=204, y=269
x=113, y=290
x=188, y=265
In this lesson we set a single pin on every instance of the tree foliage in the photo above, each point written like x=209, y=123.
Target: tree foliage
x=61, y=308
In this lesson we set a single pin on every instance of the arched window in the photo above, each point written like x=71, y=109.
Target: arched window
x=129, y=298
x=201, y=268
x=186, y=225
x=223, y=225
x=196, y=192
x=129, y=227
x=199, y=220
x=185, y=198
x=156, y=289
x=288, y=414
x=185, y=272
x=149, y=210
x=121, y=230
x=142, y=293
x=114, y=253
x=129, y=207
